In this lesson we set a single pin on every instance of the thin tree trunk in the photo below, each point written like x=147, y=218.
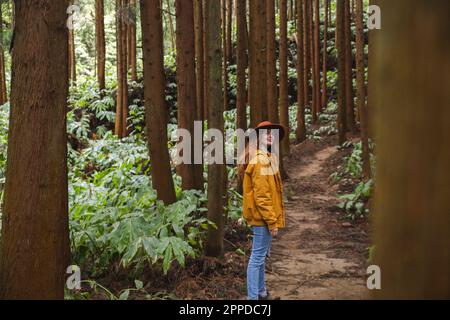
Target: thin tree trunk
x=412, y=203
x=72, y=56
x=324, y=100
x=351, y=126
x=229, y=20
x=186, y=80
x=306, y=55
x=316, y=60
x=342, y=114
x=284, y=94
x=122, y=83
x=171, y=26
x=361, y=92
x=35, y=251
x=3, y=90
x=100, y=42
x=155, y=103
x=272, y=90
x=225, y=56
x=132, y=41
x=242, y=63
x=214, y=243
x=301, y=74
x=258, y=62
x=200, y=80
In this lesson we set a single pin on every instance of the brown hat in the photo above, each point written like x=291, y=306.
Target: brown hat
x=269, y=125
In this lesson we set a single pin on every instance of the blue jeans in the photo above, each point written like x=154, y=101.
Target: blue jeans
x=256, y=284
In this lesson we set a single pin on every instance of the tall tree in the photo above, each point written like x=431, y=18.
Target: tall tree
x=72, y=56
x=342, y=111
x=350, y=104
x=412, y=203
x=122, y=83
x=272, y=90
x=242, y=63
x=324, y=99
x=187, y=92
x=306, y=52
x=171, y=24
x=155, y=103
x=316, y=59
x=258, y=62
x=199, y=58
x=225, y=56
x=301, y=75
x=361, y=88
x=284, y=94
x=3, y=90
x=100, y=42
x=34, y=251
x=229, y=30
x=216, y=191
x=132, y=54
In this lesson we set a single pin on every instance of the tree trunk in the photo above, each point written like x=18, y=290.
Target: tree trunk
x=225, y=56
x=284, y=95
x=412, y=203
x=132, y=40
x=272, y=90
x=316, y=60
x=306, y=53
x=301, y=74
x=3, y=90
x=242, y=62
x=214, y=243
x=35, y=229
x=171, y=27
x=186, y=81
x=324, y=99
x=155, y=103
x=361, y=92
x=72, y=56
x=258, y=63
x=122, y=83
x=342, y=114
x=351, y=126
x=100, y=42
x=229, y=20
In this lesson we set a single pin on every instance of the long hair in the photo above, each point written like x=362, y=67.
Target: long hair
x=247, y=155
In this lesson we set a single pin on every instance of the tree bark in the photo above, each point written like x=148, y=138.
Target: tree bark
x=122, y=82
x=272, y=90
x=301, y=74
x=412, y=203
x=361, y=88
x=225, y=56
x=324, y=99
x=155, y=103
x=3, y=90
x=258, y=62
x=214, y=243
x=284, y=94
x=229, y=30
x=35, y=230
x=132, y=40
x=100, y=42
x=316, y=60
x=242, y=63
x=186, y=81
x=342, y=111
x=351, y=126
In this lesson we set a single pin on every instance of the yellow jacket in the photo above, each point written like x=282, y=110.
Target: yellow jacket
x=263, y=192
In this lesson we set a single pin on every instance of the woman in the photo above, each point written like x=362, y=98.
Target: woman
x=263, y=203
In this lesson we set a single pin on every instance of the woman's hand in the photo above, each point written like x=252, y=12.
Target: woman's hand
x=274, y=232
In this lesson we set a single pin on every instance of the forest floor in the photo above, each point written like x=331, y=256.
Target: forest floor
x=319, y=255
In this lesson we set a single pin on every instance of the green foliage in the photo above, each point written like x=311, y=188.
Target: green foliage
x=4, y=119
x=354, y=203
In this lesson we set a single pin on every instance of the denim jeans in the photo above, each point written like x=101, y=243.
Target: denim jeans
x=256, y=285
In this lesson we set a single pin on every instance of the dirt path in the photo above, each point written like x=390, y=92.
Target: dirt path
x=319, y=255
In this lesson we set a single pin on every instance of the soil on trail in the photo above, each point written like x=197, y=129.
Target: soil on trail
x=319, y=255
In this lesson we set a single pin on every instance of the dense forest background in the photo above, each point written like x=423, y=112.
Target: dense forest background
x=136, y=71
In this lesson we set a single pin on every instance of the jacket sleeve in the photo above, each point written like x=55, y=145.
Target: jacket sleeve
x=263, y=198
